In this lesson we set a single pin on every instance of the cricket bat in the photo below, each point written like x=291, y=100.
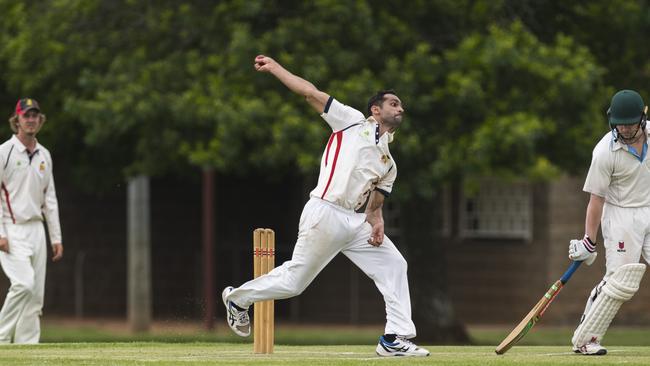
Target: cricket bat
x=536, y=312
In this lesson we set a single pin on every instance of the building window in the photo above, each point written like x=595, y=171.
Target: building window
x=497, y=210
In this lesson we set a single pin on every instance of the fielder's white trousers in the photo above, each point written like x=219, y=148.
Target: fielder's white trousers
x=324, y=231
x=25, y=268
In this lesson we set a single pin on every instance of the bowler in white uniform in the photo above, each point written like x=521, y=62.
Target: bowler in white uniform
x=356, y=169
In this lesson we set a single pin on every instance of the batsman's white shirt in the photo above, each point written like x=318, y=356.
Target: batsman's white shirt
x=623, y=180
x=356, y=160
x=618, y=175
x=28, y=190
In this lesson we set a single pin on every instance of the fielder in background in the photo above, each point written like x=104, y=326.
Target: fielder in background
x=619, y=184
x=27, y=195
x=356, y=169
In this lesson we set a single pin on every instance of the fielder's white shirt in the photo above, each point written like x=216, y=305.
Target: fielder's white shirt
x=356, y=160
x=618, y=175
x=27, y=187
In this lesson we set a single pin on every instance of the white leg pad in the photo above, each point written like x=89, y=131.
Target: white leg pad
x=619, y=287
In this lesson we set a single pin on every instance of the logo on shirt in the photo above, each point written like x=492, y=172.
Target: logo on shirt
x=621, y=247
x=385, y=159
x=41, y=167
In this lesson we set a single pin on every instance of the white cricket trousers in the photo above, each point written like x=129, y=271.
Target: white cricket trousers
x=626, y=231
x=25, y=267
x=324, y=231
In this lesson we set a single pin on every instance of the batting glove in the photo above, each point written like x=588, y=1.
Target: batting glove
x=582, y=250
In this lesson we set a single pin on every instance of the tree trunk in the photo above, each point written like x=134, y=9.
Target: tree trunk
x=139, y=255
x=433, y=310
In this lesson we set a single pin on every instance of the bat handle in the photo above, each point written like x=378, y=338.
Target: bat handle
x=569, y=272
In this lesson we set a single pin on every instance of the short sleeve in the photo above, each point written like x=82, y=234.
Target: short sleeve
x=385, y=185
x=600, y=172
x=339, y=116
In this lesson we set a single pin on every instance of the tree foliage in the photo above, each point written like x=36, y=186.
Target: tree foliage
x=156, y=88
x=500, y=104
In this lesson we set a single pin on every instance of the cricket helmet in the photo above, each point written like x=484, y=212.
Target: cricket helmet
x=626, y=108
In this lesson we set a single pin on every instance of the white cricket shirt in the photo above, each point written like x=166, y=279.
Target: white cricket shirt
x=27, y=187
x=356, y=160
x=618, y=175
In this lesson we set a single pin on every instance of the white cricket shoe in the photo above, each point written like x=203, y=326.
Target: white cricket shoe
x=591, y=349
x=237, y=319
x=400, y=347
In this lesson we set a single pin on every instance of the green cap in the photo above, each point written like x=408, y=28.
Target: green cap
x=626, y=108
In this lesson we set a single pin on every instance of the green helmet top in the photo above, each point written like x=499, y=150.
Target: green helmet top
x=626, y=108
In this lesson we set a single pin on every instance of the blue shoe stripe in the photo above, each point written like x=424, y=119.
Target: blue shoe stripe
x=384, y=341
x=392, y=347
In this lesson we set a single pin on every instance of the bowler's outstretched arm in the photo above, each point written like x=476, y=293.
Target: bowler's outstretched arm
x=316, y=98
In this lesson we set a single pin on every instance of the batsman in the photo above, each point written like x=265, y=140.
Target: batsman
x=618, y=182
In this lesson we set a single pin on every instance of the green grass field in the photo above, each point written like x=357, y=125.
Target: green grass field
x=70, y=343
x=156, y=353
